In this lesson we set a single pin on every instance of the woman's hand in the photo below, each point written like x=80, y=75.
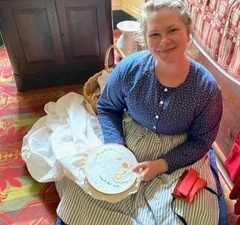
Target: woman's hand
x=151, y=168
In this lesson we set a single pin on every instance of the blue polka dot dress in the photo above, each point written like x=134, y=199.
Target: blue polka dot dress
x=194, y=107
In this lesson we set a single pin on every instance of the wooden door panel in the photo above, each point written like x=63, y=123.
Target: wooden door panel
x=83, y=31
x=87, y=29
x=39, y=48
x=36, y=36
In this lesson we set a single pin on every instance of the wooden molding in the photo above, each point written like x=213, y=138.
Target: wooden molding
x=131, y=7
x=230, y=86
x=221, y=158
x=116, y=4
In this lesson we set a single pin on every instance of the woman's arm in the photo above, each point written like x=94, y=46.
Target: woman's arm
x=111, y=107
x=201, y=134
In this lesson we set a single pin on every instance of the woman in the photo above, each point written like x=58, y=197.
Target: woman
x=166, y=108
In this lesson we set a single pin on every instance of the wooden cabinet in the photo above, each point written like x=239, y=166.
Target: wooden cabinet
x=55, y=42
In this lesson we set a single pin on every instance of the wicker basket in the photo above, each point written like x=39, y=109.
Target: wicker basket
x=90, y=87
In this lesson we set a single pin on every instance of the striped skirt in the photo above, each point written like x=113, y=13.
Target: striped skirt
x=151, y=205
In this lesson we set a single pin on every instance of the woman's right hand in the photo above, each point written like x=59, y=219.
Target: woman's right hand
x=151, y=168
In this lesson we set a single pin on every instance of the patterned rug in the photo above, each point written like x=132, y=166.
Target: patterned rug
x=23, y=201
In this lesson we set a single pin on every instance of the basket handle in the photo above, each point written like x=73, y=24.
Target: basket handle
x=111, y=47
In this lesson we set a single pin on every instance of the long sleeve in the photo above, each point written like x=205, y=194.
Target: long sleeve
x=201, y=134
x=111, y=109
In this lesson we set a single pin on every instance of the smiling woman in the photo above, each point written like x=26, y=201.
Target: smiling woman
x=167, y=41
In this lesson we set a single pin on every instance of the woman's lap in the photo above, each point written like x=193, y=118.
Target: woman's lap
x=141, y=210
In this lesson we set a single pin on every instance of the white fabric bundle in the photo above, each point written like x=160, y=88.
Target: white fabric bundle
x=58, y=143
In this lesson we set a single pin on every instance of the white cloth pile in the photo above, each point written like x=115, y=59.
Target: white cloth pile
x=58, y=143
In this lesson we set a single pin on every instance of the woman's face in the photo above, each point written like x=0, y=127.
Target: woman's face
x=166, y=36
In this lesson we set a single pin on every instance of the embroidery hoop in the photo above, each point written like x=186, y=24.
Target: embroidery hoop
x=108, y=169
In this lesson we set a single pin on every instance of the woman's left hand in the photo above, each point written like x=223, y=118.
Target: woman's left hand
x=151, y=168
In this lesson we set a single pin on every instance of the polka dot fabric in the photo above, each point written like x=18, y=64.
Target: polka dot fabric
x=194, y=107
